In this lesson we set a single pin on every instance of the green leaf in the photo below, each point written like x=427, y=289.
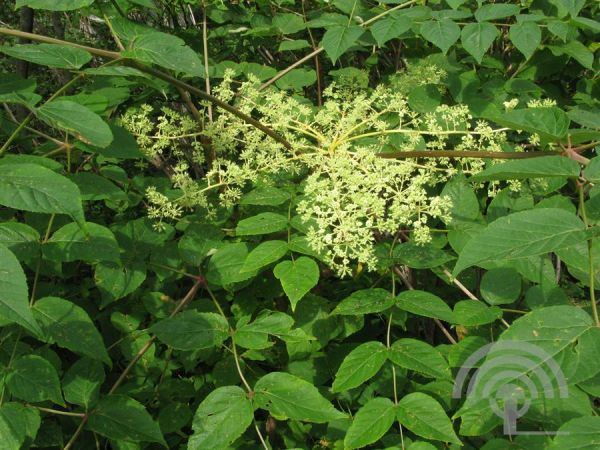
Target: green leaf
x=192, y=330
x=592, y=171
x=550, y=123
x=360, y=365
x=425, y=417
x=365, y=301
x=288, y=23
x=389, y=28
x=51, y=55
x=20, y=239
x=424, y=304
x=477, y=38
x=34, y=188
x=84, y=123
x=423, y=256
x=71, y=243
x=575, y=50
x=521, y=235
x=265, y=196
x=119, y=417
x=500, y=286
x=581, y=433
x=554, y=329
x=420, y=357
x=584, y=22
x=297, y=79
x=574, y=6
x=465, y=208
x=123, y=145
x=198, y=241
x=297, y=277
x=286, y=396
x=94, y=187
x=14, y=298
x=225, y=265
x=70, y=327
x=370, y=423
x=526, y=36
x=17, y=423
x=54, y=5
x=255, y=335
x=264, y=223
x=116, y=281
x=441, y=33
x=471, y=313
x=221, y=418
x=296, y=44
x=338, y=38
x=81, y=383
x=165, y=50
x=14, y=89
x=520, y=169
x=496, y=11
x=264, y=254
x=564, y=335
x=34, y=379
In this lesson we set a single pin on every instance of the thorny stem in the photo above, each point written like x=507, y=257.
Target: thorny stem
x=182, y=303
x=592, y=279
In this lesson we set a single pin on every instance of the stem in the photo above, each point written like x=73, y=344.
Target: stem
x=388, y=344
x=205, y=48
x=592, y=279
x=467, y=292
x=49, y=40
x=184, y=301
x=56, y=411
x=158, y=74
x=236, y=359
x=27, y=119
x=16, y=133
x=439, y=324
x=466, y=154
x=320, y=49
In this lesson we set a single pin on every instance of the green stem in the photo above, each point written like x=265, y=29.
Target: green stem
x=29, y=117
x=16, y=133
x=318, y=50
x=592, y=279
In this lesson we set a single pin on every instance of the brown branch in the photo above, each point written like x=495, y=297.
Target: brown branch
x=182, y=303
x=158, y=74
x=466, y=154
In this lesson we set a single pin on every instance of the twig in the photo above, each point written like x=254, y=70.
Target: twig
x=158, y=74
x=467, y=292
x=182, y=303
x=439, y=324
x=318, y=50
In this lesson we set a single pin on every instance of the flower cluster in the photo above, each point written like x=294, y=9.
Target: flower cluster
x=351, y=195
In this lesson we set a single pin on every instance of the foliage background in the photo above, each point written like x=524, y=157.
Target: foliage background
x=229, y=329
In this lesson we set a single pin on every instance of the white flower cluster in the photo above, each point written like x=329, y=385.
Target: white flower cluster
x=351, y=196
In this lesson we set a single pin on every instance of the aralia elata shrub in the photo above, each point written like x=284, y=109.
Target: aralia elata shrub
x=293, y=224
